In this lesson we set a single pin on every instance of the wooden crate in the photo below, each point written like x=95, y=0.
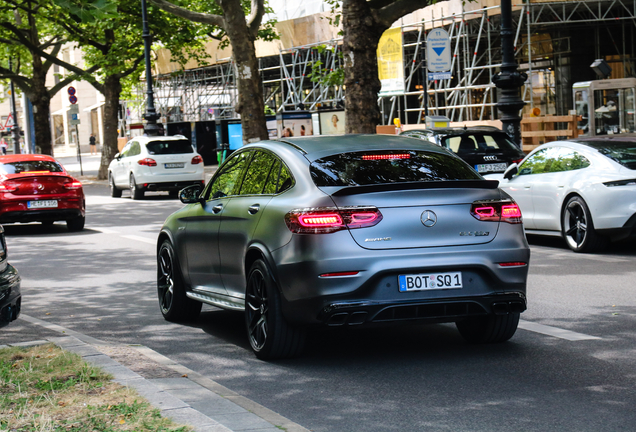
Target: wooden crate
x=538, y=130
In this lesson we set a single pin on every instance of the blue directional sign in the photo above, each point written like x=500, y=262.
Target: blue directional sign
x=438, y=51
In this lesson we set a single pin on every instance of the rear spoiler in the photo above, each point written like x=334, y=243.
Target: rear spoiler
x=445, y=184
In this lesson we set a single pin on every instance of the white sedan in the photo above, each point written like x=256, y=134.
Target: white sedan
x=159, y=163
x=583, y=190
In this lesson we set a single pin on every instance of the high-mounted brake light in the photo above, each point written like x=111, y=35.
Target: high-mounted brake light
x=386, y=156
x=324, y=220
x=147, y=162
x=496, y=211
x=196, y=160
x=35, y=172
x=517, y=160
x=75, y=184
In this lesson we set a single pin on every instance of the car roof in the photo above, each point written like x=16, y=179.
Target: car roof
x=146, y=139
x=26, y=157
x=315, y=147
x=587, y=140
x=456, y=130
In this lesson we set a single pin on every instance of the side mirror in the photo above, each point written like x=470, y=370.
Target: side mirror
x=190, y=194
x=511, y=171
x=117, y=156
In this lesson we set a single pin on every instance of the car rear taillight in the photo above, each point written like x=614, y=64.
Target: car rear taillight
x=147, y=162
x=196, y=160
x=517, y=160
x=7, y=188
x=324, y=220
x=496, y=211
x=75, y=184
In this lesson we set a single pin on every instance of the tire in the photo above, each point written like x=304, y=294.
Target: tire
x=136, y=192
x=175, y=306
x=115, y=192
x=489, y=329
x=270, y=336
x=76, y=224
x=577, y=227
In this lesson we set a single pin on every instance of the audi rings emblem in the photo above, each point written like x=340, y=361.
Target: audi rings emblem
x=490, y=158
x=428, y=218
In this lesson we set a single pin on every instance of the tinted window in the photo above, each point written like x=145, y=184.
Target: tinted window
x=271, y=186
x=479, y=142
x=30, y=166
x=135, y=149
x=229, y=177
x=538, y=163
x=257, y=173
x=285, y=180
x=622, y=152
x=369, y=168
x=169, y=147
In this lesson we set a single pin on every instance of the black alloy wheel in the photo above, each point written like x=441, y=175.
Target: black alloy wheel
x=173, y=302
x=115, y=192
x=578, y=228
x=270, y=336
x=489, y=329
x=136, y=192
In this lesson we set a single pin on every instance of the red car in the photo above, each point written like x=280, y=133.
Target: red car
x=37, y=188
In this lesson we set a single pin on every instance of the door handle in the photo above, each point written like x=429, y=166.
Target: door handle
x=217, y=208
x=253, y=209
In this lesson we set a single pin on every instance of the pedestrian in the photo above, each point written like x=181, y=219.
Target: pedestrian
x=93, y=144
x=3, y=145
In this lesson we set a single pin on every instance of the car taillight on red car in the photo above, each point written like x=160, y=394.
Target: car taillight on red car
x=196, y=160
x=496, y=211
x=72, y=185
x=324, y=220
x=147, y=162
x=7, y=188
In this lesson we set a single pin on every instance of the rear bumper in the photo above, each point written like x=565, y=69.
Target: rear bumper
x=372, y=295
x=171, y=186
x=10, y=296
x=40, y=215
x=628, y=230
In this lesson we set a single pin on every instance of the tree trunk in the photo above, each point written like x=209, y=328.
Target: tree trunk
x=41, y=100
x=361, y=36
x=251, y=105
x=112, y=90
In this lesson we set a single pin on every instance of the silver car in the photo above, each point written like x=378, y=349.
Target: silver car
x=345, y=231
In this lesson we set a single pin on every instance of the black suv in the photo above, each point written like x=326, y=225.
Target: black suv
x=485, y=148
x=10, y=297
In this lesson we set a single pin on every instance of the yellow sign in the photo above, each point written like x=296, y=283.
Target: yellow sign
x=390, y=62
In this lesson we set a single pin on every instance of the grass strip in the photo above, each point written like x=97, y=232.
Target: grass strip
x=44, y=388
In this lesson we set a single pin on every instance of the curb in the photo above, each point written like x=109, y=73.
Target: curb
x=181, y=394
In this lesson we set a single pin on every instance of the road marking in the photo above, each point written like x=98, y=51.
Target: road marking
x=141, y=239
x=554, y=331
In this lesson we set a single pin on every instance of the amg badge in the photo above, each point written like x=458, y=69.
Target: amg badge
x=474, y=233
x=378, y=239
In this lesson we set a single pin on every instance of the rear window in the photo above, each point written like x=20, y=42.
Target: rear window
x=479, y=143
x=169, y=147
x=402, y=166
x=622, y=152
x=30, y=166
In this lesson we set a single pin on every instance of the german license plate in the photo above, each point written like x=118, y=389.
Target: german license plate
x=42, y=204
x=432, y=281
x=491, y=167
x=175, y=165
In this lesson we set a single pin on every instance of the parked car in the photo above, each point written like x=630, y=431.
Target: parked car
x=37, y=188
x=159, y=163
x=485, y=148
x=345, y=231
x=10, y=297
x=582, y=189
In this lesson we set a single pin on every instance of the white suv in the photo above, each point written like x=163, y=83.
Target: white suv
x=158, y=163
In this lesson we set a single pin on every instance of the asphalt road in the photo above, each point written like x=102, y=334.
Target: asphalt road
x=570, y=367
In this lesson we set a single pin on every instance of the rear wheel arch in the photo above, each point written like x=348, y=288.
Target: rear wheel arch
x=256, y=252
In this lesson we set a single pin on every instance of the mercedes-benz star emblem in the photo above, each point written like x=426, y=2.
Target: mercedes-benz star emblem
x=428, y=218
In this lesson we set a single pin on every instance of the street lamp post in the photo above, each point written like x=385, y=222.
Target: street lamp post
x=509, y=79
x=14, y=113
x=150, y=127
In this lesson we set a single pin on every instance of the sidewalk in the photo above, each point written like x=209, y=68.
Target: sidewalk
x=181, y=394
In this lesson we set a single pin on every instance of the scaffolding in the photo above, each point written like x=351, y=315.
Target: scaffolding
x=211, y=93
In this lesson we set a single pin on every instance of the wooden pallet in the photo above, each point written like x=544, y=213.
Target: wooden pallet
x=538, y=130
